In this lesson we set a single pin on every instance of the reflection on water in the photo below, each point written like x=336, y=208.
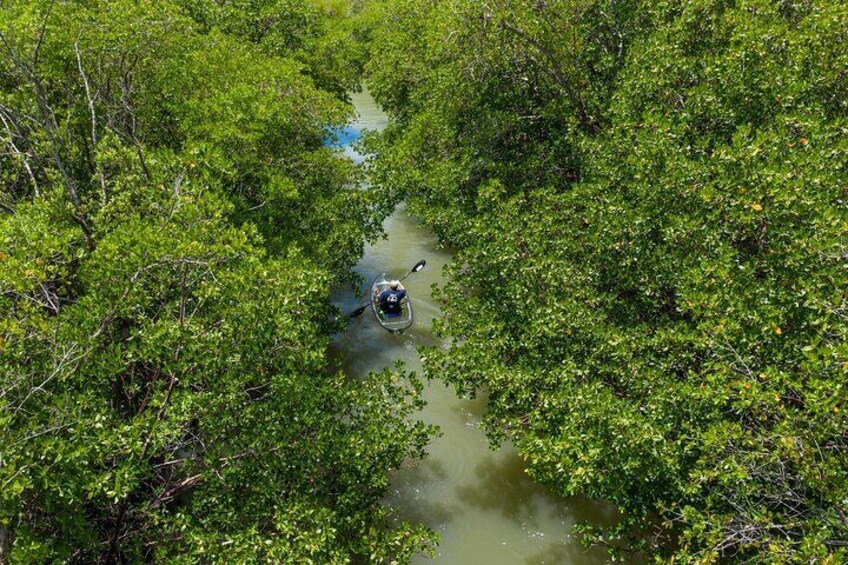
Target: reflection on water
x=483, y=504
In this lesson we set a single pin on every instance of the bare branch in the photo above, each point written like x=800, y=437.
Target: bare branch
x=18, y=152
x=51, y=127
x=555, y=70
x=41, y=34
x=93, y=112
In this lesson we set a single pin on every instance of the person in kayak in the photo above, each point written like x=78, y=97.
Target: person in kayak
x=390, y=299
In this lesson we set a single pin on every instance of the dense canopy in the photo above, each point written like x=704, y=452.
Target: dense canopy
x=648, y=204
x=171, y=223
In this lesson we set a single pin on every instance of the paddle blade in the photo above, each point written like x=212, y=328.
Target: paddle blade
x=357, y=312
x=418, y=266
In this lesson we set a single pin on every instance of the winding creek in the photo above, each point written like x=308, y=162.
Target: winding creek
x=481, y=502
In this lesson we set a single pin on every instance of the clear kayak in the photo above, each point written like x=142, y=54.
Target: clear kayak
x=395, y=324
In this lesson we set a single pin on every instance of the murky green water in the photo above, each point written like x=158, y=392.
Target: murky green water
x=482, y=503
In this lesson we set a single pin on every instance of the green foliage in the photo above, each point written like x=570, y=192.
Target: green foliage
x=171, y=224
x=316, y=33
x=647, y=200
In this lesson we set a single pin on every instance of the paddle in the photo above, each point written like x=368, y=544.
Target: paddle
x=418, y=266
x=357, y=312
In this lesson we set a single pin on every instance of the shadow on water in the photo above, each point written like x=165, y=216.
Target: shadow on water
x=424, y=509
x=472, y=408
x=563, y=552
x=501, y=485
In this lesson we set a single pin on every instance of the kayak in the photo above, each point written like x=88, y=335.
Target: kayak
x=395, y=324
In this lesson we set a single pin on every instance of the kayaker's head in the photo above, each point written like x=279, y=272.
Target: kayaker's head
x=395, y=285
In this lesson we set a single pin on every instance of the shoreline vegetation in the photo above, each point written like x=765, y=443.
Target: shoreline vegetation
x=650, y=200
x=171, y=225
x=649, y=197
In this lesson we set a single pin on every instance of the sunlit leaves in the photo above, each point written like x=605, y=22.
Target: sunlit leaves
x=163, y=389
x=647, y=202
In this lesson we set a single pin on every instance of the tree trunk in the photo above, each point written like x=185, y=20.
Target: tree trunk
x=7, y=538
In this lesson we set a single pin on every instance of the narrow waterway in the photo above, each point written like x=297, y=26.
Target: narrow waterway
x=480, y=501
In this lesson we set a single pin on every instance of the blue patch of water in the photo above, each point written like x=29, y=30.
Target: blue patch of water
x=342, y=137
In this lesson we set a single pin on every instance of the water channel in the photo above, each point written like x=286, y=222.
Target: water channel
x=481, y=502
